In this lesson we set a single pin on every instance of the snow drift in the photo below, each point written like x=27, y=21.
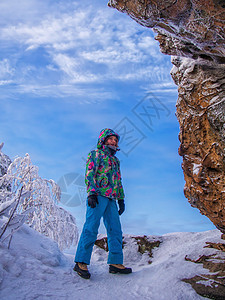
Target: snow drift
x=35, y=268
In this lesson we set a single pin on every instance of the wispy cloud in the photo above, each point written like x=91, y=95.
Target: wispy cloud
x=80, y=46
x=73, y=69
x=6, y=70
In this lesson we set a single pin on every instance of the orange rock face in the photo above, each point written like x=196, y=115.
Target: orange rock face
x=193, y=32
x=201, y=114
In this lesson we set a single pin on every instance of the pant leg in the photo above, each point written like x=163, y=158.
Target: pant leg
x=114, y=233
x=90, y=230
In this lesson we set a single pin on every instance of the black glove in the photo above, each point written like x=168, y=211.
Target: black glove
x=92, y=201
x=121, y=206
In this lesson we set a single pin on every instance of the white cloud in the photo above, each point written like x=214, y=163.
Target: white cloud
x=114, y=55
x=5, y=69
x=83, y=45
x=14, y=11
x=5, y=82
x=73, y=69
x=88, y=94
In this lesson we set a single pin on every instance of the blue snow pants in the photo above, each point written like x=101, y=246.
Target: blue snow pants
x=107, y=209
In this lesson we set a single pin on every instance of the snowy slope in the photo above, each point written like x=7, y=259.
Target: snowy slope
x=34, y=268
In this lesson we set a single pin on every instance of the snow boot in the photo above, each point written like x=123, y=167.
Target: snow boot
x=119, y=269
x=82, y=270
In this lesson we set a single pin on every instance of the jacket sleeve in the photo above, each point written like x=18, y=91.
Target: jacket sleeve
x=121, y=191
x=91, y=169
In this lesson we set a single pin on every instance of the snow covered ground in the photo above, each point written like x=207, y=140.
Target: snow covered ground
x=34, y=268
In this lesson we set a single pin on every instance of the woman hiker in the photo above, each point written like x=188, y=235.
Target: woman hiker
x=104, y=187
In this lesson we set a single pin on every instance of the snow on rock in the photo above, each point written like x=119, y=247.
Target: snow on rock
x=136, y=249
x=163, y=278
x=35, y=268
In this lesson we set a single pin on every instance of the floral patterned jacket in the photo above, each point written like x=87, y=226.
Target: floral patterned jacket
x=103, y=175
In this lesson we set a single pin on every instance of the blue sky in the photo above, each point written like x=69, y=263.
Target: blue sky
x=68, y=70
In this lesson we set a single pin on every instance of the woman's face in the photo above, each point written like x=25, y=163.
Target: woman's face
x=112, y=141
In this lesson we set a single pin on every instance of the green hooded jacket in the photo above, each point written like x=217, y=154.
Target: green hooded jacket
x=103, y=175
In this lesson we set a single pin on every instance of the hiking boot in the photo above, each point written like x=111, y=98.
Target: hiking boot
x=82, y=270
x=119, y=269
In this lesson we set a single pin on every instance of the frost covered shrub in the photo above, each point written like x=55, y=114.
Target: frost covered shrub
x=5, y=161
x=12, y=221
x=44, y=215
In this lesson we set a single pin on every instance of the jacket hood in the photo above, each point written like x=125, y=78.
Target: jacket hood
x=104, y=134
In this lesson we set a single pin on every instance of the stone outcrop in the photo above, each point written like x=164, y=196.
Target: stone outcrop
x=211, y=285
x=200, y=111
x=193, y=32
x=143, y=245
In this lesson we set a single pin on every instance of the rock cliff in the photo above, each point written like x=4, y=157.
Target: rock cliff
x=193, y=32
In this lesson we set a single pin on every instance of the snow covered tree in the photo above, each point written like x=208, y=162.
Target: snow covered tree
x=39, y=200
x=5, y=161
x=12, y=220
